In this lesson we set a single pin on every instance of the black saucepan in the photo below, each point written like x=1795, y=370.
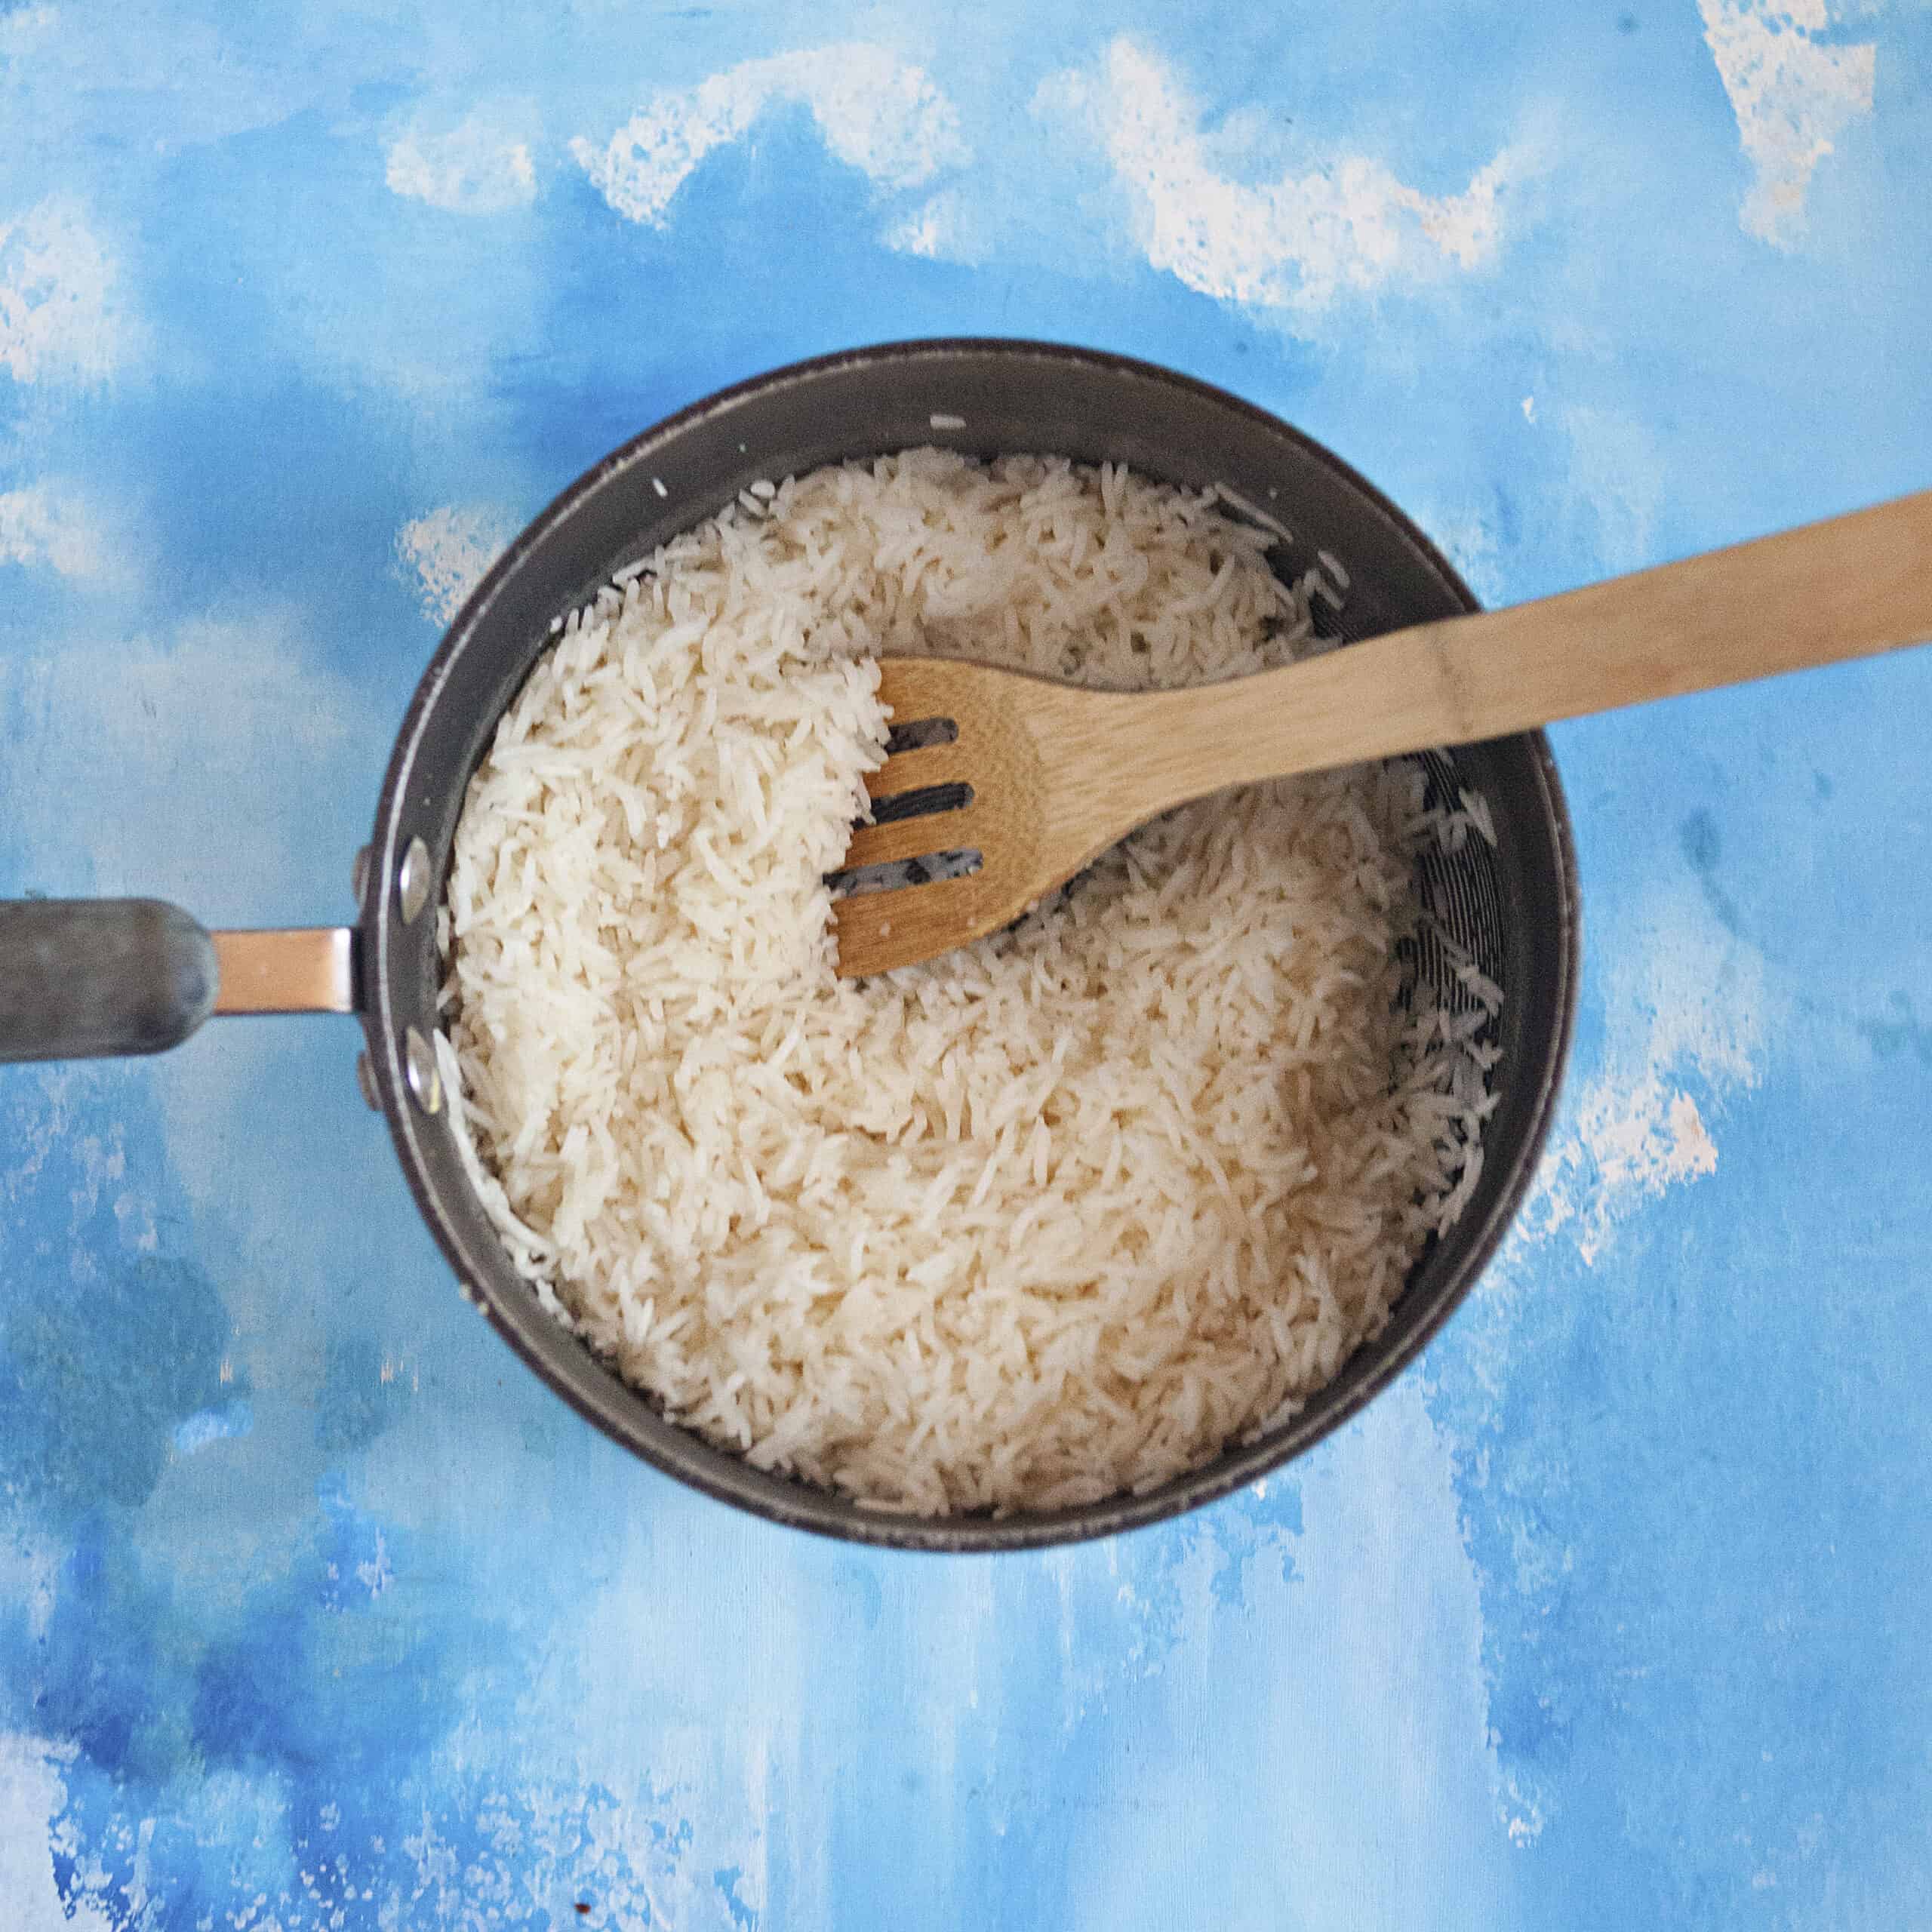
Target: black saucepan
x=117, y=976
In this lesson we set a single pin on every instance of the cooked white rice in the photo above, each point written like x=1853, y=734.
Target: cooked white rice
x=1055, y=1217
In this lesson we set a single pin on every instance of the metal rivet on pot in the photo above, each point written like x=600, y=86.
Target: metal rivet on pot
x=419, y=1062
x=358, y=876
x=365, y=1078
x=412, y=880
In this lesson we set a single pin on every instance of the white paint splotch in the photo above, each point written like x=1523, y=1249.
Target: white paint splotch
x=946, y=227
x=519, y=1859
x=445, y=552
x=1793, y=92
x=46, y=526
x=1684, y=1021
x=1347, y=223
x=875, y=112
x=25, y=31
x=476, y=167
x=61, y=318
x=33, y=1800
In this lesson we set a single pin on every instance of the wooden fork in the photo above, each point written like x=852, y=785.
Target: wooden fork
x=1041, y=777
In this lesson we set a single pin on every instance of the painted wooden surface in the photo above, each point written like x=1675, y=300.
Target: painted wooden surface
x=316, y=1611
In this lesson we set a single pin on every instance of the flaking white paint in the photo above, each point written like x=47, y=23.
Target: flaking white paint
x=1793, y=92
x=44, y=525
x=61, y=318
x=1347, y=223
x=447, y=550
x=476, y=167
x=33, y=1797
x=877, y=113
x=1685, y=1005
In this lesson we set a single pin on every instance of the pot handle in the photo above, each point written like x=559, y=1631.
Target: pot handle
x=88, y=979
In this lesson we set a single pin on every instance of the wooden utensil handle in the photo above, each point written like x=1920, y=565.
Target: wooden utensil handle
x=1849, y=587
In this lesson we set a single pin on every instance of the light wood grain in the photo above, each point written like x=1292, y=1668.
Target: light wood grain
x=1059, y=774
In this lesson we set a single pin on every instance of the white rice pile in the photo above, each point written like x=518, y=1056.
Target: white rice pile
x=1056, y=1216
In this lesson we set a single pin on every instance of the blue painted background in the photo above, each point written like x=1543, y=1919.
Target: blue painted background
x=316, y=1612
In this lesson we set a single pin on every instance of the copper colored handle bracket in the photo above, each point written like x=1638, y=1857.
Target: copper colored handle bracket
x=304, y=969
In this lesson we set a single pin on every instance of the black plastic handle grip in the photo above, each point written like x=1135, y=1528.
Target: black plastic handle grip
x=84, y=979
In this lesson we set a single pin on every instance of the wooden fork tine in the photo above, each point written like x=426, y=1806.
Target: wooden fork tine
x=878, y=930
x=913, y=771
x=914, y=838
